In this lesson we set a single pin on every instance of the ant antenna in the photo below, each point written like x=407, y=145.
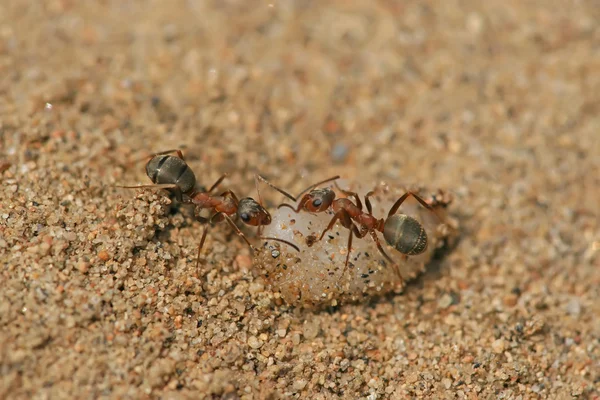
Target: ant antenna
x=289, y=196
x=315, y=185
x=283, y=192
x=282, y=241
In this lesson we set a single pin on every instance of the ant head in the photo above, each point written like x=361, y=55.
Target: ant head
x=252, y=213
x=318, y=200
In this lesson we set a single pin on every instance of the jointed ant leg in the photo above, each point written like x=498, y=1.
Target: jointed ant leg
x=160, y=153
x=204, y=232
x=368, y=202
x=341, y=215
x=396, y=266
x=344, y=217
x=233, y=225
x=305, y=198
x=153, y=186
x=256, y=177
x=230, y=194
x=217, y=183
x=399, y=202
x=350, y=194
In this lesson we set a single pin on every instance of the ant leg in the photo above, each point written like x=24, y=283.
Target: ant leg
x=257, y=191
x=204, y=233
x=343, y=216
x=350, y=194
x=337, y=216
x=258, y=177
x=303, y=201
x=200, y=246
x=396, y=266
x=347, y=255
x=399, y=202
x=160, y=153
x=368, y=202
x=230, y=194
x=153, y=186
x=217, y=183
x=233, y=225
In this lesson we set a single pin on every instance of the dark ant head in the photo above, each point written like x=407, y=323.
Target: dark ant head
x=318, y=200
x=252, y=213
x=405, y=234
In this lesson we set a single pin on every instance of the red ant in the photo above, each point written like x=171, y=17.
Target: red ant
x=170, y=172
x=402, y=232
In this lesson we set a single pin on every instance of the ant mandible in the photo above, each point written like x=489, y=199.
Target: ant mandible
x=404, y=233
x=167, y=171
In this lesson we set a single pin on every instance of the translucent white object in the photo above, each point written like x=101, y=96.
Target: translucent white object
x=316, y=276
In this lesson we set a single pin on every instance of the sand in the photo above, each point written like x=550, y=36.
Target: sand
x=497, y=102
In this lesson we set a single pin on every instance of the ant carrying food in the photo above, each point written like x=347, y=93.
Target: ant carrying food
x=171, y=172
x=404, y=233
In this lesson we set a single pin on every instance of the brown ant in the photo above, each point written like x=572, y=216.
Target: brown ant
x=167, y=171
x=402, y=232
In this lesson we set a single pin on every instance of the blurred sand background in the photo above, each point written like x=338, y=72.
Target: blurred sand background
x=497, y=101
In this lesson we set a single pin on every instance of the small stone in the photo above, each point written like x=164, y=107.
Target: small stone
x=468, y=359
x=254, y=342
x=256, y=288
x=83, y=267
x=510, y=300
x=574, y=308
x=311, y=329
x=498, y=346
x=103, y=255
x=412, y=378
x=244, y=262
x=300, y=384
x=447, y=382
x=445, y=301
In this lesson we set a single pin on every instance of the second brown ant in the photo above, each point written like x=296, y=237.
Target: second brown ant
x=171, y=172
x=403, y=232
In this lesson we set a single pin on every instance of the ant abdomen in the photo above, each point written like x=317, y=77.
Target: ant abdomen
x=169, y=169
x=405, y=234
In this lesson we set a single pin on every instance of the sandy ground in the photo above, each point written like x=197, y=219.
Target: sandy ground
x=496, y=101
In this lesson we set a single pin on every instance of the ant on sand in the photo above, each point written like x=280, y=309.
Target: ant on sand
x=403, y=232
x=171, y=172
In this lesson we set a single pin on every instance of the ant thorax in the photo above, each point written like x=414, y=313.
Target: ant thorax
x=314, y=275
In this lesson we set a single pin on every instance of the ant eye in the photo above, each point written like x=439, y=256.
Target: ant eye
x=317, y=202
x=245, y=217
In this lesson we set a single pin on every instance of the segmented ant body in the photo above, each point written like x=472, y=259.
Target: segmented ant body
x=167, y=171
x=402, y=232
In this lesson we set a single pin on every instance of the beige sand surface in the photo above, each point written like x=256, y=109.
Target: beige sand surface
x=497, y=101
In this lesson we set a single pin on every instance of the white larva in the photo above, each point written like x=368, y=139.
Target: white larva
x=314, y=276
